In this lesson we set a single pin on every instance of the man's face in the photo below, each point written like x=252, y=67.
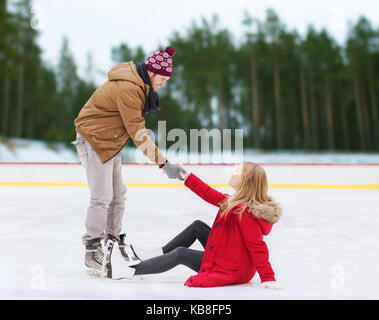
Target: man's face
x=157, y=80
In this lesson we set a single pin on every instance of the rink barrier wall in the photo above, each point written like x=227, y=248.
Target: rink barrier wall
x=297, y=176
x=177, y=185
x=199, y=164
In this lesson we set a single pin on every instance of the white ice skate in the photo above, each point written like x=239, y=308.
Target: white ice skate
x=120, y=268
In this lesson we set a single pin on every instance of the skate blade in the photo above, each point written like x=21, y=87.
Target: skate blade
x=118, y=279
x=134, y=279
x=96, y=274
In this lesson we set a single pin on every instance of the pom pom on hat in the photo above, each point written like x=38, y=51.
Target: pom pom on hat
x=170, y=51
x=160, y=62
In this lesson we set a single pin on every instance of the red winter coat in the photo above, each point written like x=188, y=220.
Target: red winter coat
x=235, y=249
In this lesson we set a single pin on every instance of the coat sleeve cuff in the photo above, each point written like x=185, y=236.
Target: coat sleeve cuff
x=163, y=164
x=189, y=180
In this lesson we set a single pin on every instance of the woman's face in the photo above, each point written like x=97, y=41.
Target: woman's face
x=236, y=177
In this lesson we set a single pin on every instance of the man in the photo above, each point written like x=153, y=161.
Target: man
x=111, y=117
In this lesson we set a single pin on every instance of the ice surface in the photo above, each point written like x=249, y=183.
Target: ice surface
x=324, y=247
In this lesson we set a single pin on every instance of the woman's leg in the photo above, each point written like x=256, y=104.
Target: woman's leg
x=197, y=230
x=188, y=257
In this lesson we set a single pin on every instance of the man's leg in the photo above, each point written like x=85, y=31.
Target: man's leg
x=117, y=206
x=100, y=182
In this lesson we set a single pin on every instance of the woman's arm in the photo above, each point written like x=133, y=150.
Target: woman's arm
x=253, y=237
x=203, y=190
x=186, y=175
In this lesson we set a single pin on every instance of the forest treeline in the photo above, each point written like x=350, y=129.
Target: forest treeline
x=285, y=90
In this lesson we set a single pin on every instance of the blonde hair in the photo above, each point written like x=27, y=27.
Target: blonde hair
x=253, y=189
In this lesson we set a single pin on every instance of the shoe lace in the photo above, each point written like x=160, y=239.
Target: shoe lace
x=127, y=252
x=100, y=252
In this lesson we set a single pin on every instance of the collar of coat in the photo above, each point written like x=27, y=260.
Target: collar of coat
x=151, y=99
x=269, y=210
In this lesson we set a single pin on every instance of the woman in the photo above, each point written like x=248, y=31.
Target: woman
x=234, y=246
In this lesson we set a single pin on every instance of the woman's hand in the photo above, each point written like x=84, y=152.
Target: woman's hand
x=273, y=285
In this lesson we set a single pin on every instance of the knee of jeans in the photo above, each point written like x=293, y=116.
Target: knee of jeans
x=120, y=194
x=123, y=192
x=100, y=202
x=119, y=198
x=198, y=223
x=180, y=252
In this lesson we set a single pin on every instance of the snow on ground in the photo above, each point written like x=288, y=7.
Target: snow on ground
x=324, y=247
x=23, y=150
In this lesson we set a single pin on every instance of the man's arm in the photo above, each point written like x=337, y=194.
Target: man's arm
x=134, y=122
x=131, y=114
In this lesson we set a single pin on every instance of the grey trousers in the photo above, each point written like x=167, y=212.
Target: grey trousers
x=107, y=192
x=177, y=251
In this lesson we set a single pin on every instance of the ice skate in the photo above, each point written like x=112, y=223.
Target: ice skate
x=97, y=257
x=120, y=267
x=127, y=251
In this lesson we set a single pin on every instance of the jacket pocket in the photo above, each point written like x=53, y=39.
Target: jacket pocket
x=111, y=134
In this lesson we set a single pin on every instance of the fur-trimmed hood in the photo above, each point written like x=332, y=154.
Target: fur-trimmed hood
x=269, y=211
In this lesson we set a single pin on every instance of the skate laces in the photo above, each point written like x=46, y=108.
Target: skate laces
x=107, y=251
x=126, y=249
x=103, y=250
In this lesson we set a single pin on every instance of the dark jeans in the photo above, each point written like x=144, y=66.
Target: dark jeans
x=177, y=251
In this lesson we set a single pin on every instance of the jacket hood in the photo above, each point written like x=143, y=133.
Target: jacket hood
x=125, y=71
x=269, y=211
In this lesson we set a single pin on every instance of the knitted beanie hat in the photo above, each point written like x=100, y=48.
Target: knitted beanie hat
x=160, y=62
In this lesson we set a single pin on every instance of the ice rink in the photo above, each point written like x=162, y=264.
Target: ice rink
x=324, y=247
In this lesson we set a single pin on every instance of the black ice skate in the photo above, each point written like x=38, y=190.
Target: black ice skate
x=97, y=257
x=127, y=251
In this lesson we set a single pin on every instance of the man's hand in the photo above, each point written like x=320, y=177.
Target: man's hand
x=174, y=170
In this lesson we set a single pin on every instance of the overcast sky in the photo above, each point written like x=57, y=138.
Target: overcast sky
x=98, y=25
